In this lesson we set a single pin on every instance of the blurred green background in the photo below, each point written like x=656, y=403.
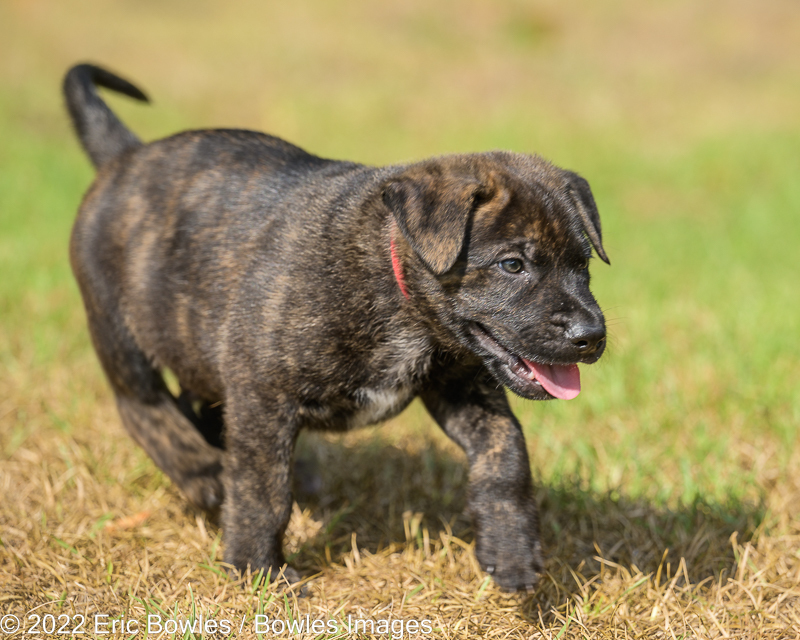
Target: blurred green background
x=683, y=116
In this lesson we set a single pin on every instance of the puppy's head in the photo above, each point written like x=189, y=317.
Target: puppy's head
x=499, y=254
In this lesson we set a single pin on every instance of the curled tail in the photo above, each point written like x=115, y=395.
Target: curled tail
x=101, y=133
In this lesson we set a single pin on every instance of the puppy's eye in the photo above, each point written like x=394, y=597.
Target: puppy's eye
x=512, y=265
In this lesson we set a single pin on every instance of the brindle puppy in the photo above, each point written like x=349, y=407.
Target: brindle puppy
x=298, y=292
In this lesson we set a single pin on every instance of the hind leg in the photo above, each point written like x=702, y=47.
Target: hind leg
x=152, y=416
x=179, y=450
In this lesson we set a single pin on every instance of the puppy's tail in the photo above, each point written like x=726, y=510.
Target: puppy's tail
x=101, y=133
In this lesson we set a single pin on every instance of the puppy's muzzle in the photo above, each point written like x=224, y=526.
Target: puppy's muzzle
x=588, y=339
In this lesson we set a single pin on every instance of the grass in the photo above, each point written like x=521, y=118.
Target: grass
x=669, y=489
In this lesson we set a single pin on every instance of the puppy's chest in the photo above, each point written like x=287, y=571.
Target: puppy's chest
x=376, y=404
x=390, y=381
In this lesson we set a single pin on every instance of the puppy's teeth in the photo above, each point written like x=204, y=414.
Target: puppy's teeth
x=520, y=369
x=529, y=375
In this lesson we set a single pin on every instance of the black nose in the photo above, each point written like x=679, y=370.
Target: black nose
x=588, y=337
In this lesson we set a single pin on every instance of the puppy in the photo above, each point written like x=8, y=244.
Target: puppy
x=287, y=291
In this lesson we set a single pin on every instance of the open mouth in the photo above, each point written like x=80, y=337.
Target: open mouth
x=562, y=381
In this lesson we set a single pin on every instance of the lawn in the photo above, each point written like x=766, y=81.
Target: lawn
x=669, y=489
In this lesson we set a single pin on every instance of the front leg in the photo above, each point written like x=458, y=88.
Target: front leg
x=259, y=443
x=471, y=409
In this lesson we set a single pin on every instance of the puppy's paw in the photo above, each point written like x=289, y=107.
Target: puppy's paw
x=205, y=492
x=513, y=571
x=507, y=545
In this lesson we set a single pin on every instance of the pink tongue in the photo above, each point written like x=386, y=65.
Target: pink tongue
x=561, y=381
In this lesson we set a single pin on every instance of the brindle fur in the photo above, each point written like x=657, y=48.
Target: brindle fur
x=261, y=276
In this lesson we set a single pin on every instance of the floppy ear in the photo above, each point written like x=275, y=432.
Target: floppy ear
x=581, y=195
x=432, y=210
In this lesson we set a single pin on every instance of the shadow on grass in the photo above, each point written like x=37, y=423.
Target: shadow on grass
x=584, y=529
x=365, y=485
x=368, y=485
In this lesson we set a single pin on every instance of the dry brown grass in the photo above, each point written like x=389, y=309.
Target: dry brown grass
x=669, y=492
x=90, y=526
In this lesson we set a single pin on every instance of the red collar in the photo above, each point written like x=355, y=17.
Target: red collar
x=396, y=266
